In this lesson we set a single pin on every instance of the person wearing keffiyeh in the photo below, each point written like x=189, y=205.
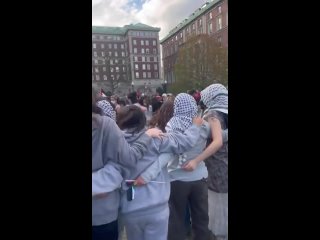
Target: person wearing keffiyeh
x=107, y=109
x=215, y=97
x=188, y=178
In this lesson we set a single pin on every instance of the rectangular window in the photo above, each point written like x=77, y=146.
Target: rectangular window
x=147, y=42
x=210, y=15
x=220, y=41
x=110, y=54
x=105, y=77
x=94, y=45
x=181, y=35
x=102, y=54
x=134, y=42
x=135, y=50
x=117, y=69
x=111, y=69
x=154, y=51
x=95, y=61
x=149, y=74
x=148, y=59
x=143, y=67
x=122, y=54
x=111, y=62
x=97, y=77
x=193, y=26
x=136, y=59
x=147, y=51
x=136, y=67
x=137, y=74
x=142, y=50
x=219, y=9
x=96, y=70
x=219, y=23
x=155, y=66
x=154, y=43
x=142, y=43
x=144, y=74
x=200, y=22
x=95, y=54
x=115, y=46
x=116, y=61
x=102, y=45
x=104, y=69
x=143, y=59
x=123, y=61
x=116, y=54
x=109, y=45
x=148, y=66
x=176, y=37
x=122, y=46
x=156, y=75
x=210, y=27
x=123, y=69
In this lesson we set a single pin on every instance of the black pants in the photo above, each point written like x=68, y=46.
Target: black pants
x=196, y=193
x=105, y=232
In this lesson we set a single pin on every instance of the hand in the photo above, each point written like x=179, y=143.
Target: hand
x=190, y=166
x=197, y=121
x=139, y=181
x=154, y=132
x=99, y=196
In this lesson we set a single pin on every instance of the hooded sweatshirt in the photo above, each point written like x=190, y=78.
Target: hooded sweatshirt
x=109, y=151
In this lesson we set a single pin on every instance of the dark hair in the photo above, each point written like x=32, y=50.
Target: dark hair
x=131, y=117
x=95, y=108
x=133, y=97
x=122, y=101
x=141, y=101
x=162, y=117
x=156, y=104
x=191, y=92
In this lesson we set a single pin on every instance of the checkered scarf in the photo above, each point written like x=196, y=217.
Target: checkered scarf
x=185, y=109
x=107, y=109
x=215, y=97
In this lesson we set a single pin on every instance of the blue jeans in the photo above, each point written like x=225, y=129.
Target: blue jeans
x=107, y=231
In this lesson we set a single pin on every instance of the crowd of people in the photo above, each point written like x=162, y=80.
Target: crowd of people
x=160, y=165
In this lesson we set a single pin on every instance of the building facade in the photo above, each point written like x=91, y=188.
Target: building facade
x=211, y=18
x=126, y=58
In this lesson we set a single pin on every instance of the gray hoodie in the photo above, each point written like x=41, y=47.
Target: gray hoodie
x=109, y=151
x=154, y=196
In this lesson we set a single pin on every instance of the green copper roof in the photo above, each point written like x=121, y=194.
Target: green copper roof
x=192, y=17
x=123, y=30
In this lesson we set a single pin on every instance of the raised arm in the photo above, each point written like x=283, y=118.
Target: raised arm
x=177, y=142
x=214, y=146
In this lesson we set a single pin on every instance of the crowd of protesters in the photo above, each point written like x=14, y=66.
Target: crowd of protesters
x=160, y=165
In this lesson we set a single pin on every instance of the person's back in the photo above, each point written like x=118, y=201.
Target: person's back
x=146, y=214
x=103, y=209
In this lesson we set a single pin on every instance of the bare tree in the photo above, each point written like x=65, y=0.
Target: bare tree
x=201, y=61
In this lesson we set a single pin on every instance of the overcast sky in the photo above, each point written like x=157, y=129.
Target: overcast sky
x=165, y=14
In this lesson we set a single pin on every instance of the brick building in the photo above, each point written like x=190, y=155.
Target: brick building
x=211, y=18
x=126, y=58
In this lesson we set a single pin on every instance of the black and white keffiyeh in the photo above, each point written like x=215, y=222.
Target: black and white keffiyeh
x=107, y=109
x=215, y=97
x=185, y=109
